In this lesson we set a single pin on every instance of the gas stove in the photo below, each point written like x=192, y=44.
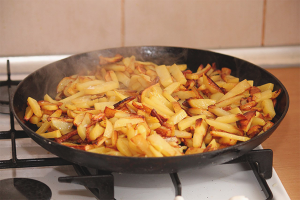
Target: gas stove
x=23, y=162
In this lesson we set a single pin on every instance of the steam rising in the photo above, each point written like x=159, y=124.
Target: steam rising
x=45, y=80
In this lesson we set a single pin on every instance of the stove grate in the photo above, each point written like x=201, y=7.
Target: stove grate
x=260, y=162
x=13, y=134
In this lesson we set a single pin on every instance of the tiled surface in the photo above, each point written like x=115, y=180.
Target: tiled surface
x=58, y=26
x=34, y=27
x=194, y=23
x=282, y=22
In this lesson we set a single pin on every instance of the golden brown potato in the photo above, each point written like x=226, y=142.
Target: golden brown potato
x=127, y=107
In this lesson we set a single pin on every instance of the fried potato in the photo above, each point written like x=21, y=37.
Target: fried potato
x=211, y=85
x=193, y=150
x=52, y=134
x=238, y=89
x=164, y=75
x=128, y=120
x=201, y=103
x=176, y=72
x=28, y=113
x=231, y=118
x=188, y=121
x=43, y=128
x=126, y=107
x=200, y=132
x=230, y=136
x=62, y=125
x=99, y=89
x=142, y=144
x=161, y=145
x=108, y=129
x=96, y=132
x=217, y=111
x=123, y=146
x=36, y=109
x=225, y=127
x=268, y=108
x=177, y=117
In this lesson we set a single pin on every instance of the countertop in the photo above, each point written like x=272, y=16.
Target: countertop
x=285, y=141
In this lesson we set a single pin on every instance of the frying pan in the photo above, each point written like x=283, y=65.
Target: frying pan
x=44, y=81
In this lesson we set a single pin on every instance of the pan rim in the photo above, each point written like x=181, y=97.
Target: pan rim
x=205, y=154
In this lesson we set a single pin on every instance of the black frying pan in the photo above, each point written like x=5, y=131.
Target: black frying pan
x=45, y=80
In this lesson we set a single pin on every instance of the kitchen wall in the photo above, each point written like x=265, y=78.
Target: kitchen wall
x=41, y=27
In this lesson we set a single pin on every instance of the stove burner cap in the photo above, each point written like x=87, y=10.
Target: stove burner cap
x=24, y=188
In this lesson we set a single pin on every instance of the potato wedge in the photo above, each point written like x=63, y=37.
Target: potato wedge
x=238, y=89
x=36, y=109
x=200, y=132
x=161, y=145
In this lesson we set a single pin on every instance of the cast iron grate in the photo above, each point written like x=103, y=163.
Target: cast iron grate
x=101, y=184
x=13, y=134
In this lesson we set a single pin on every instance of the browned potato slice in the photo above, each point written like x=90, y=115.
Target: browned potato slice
x=164, y=75
x=34, y=106
x=227, y=141
x=244, y=124
x=96, y=132
x=200, y=132
x=184, y=94
x=177, y=74
x=238, y=89
x=53, y=134
x=63, y=83
x=218, y=111
x=267, y=86
x=123, y=146
x=183, y=134
x=201, y=103
x=199, y=111
x=161, y=145
x=115, y=67
x=142, y=144
x=254, y=130
x=28, y=113
x=268, y=108
x=225, y=127
x=62, y=125
x=211, y=85
x=188, y=121
x=229, y=135
x=107, y=60
x=134, y=119
x=104, y=87
x=194, y=150
x=268, y=125
x=177, y=117
x=213, y=145
x=231, y=118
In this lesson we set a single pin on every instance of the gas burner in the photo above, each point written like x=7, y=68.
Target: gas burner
x=24, y=189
